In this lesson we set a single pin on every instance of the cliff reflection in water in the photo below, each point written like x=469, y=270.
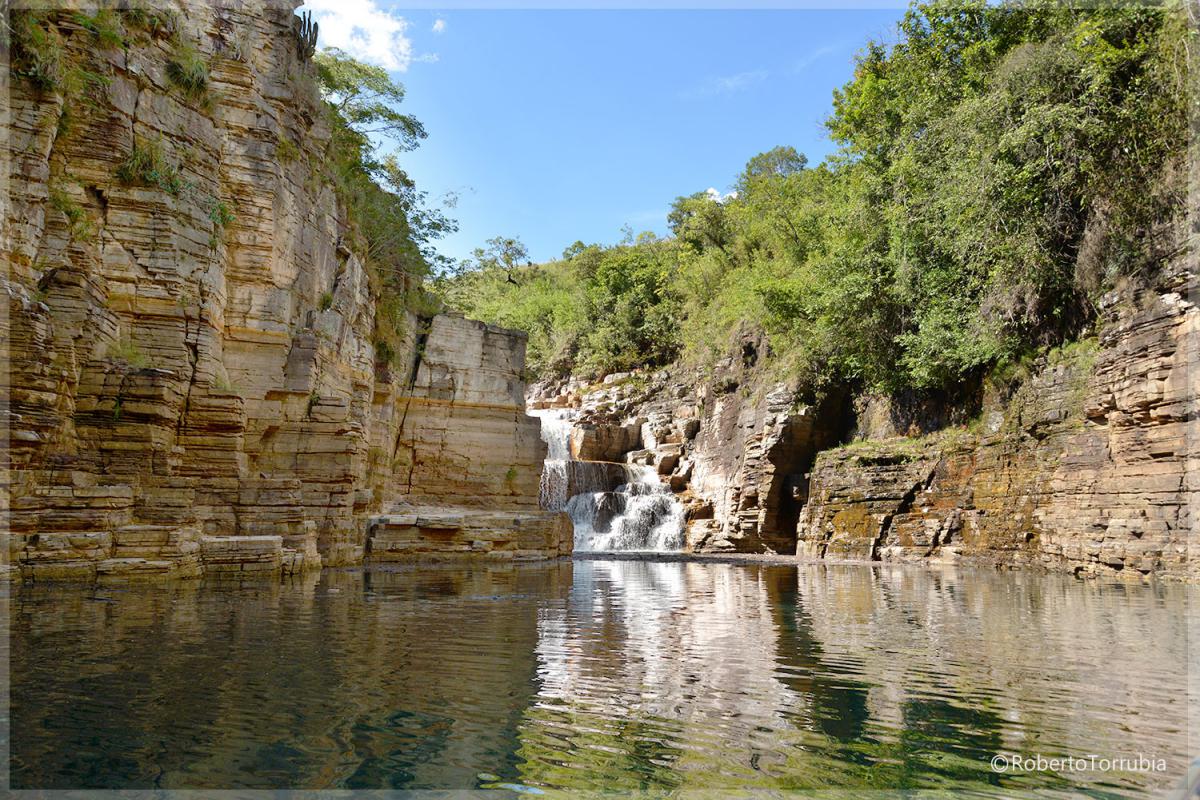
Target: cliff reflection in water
x=351, y=679
x=602, y=675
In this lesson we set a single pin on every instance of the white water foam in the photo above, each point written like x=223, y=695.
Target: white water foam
x=556, y=433
x=640, y=514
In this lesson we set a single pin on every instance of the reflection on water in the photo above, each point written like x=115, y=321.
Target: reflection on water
x=601, y=675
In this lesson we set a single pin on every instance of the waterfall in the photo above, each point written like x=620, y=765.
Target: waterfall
x=613, y=506
x=556, y=432
x=641, y=514
x=554, y=490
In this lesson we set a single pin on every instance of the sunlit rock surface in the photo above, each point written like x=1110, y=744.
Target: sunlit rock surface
x=1084, y=468
x=188, y=393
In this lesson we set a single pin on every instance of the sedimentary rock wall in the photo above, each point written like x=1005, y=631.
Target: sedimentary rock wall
x=1085, y=468
x=468, y=460
x=735, y=450
x=465, y=419
x=193, y=381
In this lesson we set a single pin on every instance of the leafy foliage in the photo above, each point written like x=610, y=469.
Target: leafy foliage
x=393, y=226
x=365, y=97
x=1023, y=160
x=1001, y=166
x=597, y=310
x=219, y=213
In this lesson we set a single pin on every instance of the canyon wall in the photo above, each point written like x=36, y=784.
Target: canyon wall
x=1083, y=468
x=193, y=380
x=1081, y=464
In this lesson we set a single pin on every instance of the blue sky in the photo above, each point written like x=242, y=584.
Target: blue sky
x=562, y=125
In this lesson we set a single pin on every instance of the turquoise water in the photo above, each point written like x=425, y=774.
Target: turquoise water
x=601, y=676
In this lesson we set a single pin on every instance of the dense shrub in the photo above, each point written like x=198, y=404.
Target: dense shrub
x=999, y=168
x=597, y=310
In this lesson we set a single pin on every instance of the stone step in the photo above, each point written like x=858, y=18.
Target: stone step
x=419, y=534
x=224, y=554
x=112, y=567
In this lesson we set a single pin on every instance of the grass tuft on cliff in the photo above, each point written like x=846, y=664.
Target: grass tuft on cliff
x=188, y=70
x=78, y=222
x=147, y=165
x=105, y=25
x=37, y=53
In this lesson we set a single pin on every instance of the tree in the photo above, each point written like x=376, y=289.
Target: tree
x=392, y=225
x=395, y=220
x=502, y=253
x=365, y=96
x=698, y=221
x=767, y=188
x=574, y=249
x=776, y=163
x=1002, y=165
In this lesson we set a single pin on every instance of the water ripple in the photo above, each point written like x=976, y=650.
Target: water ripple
x=601, y=676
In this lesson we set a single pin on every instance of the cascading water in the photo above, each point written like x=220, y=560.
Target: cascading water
x=613, y=506
x=556, y=433
x=641, y=514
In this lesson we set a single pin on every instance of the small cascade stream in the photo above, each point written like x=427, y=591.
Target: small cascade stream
x=613, y=506
x=556, y=433
x=641, y=514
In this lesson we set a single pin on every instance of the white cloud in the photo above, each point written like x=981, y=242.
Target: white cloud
x=439, y=25
x=728, y=84
x=364, y=30
x=807, y=60
x=716, y=196
x=735, y=83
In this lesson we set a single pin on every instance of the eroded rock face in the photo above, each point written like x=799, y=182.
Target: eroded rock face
x=750, y=461
x=199, y=391
x=1084, y=469
x=734, y=451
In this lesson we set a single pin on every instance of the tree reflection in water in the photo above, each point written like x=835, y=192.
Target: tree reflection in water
x=598, y=675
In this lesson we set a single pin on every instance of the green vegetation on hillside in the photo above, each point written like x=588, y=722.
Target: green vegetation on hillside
x=999, y=168
x=598, y=310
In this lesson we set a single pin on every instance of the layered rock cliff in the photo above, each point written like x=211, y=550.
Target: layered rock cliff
x=194, y=381
x=1081, y=464
x=1084, y=468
